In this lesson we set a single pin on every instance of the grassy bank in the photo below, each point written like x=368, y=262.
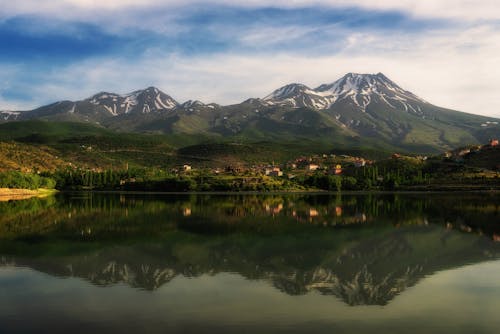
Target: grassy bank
x=7, y=194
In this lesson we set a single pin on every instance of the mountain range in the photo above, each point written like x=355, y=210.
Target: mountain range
x=355, y=110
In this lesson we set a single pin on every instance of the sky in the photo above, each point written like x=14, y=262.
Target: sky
x=446, y=51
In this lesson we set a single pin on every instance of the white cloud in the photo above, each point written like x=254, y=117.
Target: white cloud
x=268, y=36
x=458, y=70
x=455, y=68
x=455, y=9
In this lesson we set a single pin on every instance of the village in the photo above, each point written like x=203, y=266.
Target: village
x=329, y=164
x=471, y=167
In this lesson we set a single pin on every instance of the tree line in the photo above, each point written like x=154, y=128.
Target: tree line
x=15, y=179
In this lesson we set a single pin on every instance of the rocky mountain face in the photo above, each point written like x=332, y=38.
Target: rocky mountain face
x=358, y=90
x=145, y=101
x=357, y=108
x=104, y=106
x=9, y=115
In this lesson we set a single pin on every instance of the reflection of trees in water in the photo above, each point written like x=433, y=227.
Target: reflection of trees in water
x=121, y=214
x=364, y=249
x=368, y=265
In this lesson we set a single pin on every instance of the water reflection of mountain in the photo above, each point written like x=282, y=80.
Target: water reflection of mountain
x=362, y=249
x=371, y=269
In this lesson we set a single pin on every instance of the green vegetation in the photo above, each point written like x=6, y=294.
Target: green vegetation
x=25, y=181
x=29, y=158
x=84, y=156
x=396, y=173
x=399, y=173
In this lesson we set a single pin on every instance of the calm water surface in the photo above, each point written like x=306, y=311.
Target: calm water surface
x=413, y=263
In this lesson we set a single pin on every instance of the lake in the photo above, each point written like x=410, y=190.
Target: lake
x=294, y=263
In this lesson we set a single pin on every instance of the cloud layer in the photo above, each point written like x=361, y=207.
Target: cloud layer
x=460, y=9
x=447, y=52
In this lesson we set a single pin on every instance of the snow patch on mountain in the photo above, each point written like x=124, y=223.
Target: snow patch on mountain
x=359, y=90
x=192, y=103
x=362, y=88
x=297, y=96
x=140, y=101
x=9, y=115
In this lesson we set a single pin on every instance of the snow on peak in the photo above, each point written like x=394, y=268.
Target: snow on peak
x=367, y=85
x=7, y=115
x=152, y=89
x=288, y=91
x=297, y=95
x=357, y=89
x=103, y=96
x=192, y=103
x=147, y=100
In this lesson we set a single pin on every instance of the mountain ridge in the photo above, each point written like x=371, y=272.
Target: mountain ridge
x=154, y=95
x=370, y=107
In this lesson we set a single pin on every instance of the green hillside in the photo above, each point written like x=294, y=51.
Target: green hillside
x=43, y=145
x=46, y=146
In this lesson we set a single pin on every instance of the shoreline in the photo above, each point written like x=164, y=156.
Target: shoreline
x=285, y=192
x=9, y=194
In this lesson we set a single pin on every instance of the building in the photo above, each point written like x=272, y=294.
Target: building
x=359, y=163
x=338, y=170
x=274, y=171
x=463, y=152
x=335, y=170
x=493, y=142
x=312, y=167
x=235, y=169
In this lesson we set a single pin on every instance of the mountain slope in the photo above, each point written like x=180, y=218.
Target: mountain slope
x=373, y=106
x=355, y=110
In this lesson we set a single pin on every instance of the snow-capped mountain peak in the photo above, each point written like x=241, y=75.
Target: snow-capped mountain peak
x=351, y=82
x=148, y=100
x=359, y=90
x=6, y=115
x=365, y=84
x=296, y=95
x=192, y=103
x=288, y=91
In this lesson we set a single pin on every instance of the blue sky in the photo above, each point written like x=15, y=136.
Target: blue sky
x=225, y=51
